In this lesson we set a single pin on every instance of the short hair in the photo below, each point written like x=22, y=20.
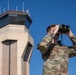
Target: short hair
x=48, y=28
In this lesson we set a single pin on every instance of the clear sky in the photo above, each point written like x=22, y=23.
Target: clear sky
x=44, y=13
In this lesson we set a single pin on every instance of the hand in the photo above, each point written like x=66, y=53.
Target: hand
x=69, y=33
x=55, y=31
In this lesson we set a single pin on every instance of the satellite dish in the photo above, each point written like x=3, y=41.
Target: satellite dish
x=27, y=11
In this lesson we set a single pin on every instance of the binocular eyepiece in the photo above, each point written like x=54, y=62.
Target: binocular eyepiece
x=64, y=28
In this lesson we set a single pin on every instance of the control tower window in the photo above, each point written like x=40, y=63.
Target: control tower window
x=15, y=18
x=27, y=22
x=27, y=52
x=4, y=21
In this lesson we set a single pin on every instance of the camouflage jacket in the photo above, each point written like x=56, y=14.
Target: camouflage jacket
x=46, y=47
x=56, y=56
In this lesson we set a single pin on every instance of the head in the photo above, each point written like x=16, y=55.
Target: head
x=51, y=28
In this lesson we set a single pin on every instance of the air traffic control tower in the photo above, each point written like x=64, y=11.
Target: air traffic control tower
x=16, y=43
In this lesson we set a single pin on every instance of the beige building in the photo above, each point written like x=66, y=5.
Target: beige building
x=16, y=43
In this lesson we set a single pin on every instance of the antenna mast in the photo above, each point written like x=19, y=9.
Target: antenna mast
x=8, y=5
x=23, y=6
x=16, y=8
x=4, y=10
x=0, y=10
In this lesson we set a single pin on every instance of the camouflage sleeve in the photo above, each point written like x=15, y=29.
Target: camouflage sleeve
x=72, y=50
x=73, y=39
x=45, y=43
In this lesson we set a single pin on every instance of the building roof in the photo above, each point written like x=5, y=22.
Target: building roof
x=14, y=12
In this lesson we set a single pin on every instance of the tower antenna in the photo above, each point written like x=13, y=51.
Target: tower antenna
x=23, y=6
x=8, y=5
x=16, y=8
x=4, y=10
x=0, y=10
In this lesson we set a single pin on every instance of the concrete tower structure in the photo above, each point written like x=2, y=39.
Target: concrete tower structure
x=16, y=43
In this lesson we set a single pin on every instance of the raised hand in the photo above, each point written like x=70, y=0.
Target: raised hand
x=69, y=33
x=54, y=29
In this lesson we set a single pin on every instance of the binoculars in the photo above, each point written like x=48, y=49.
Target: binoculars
x=64, y=28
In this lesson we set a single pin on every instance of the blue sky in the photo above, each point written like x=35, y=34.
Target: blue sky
x=44, y=13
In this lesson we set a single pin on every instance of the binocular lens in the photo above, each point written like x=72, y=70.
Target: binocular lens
x=64, y=28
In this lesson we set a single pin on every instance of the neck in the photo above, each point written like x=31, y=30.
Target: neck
x=55, y=41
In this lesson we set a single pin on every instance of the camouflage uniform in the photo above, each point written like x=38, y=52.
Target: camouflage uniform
x=56, y=56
